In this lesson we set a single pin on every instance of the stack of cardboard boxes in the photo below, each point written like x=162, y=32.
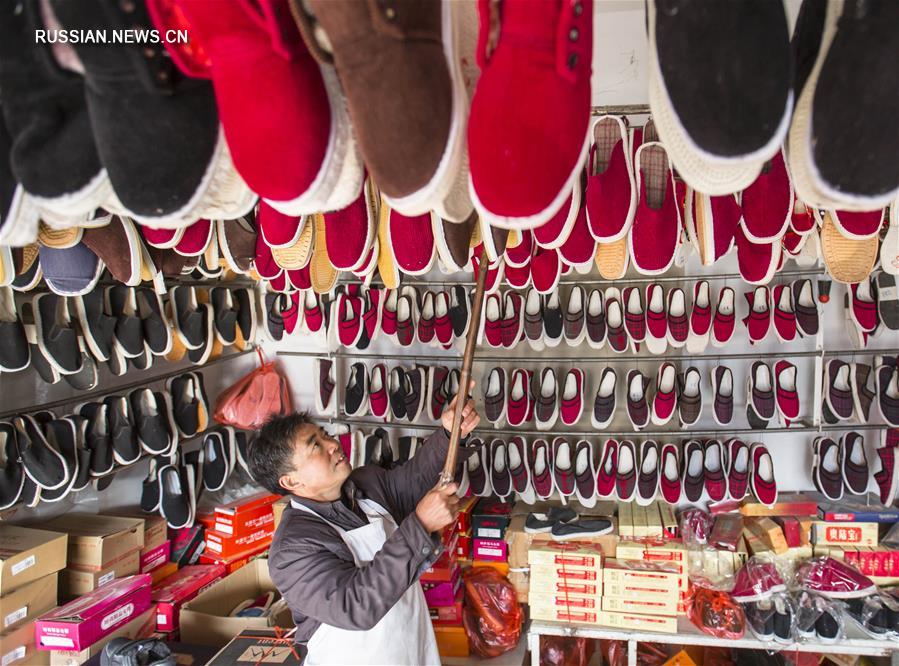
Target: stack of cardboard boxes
x=30, y=560
x=565, y=581
x=237, y=532
x=490, y=518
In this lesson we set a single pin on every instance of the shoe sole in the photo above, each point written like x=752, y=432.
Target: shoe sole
x=693, y=163
x=339, y=180
x=808, y=184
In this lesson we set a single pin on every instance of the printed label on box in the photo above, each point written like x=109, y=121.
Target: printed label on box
x=15, y=655
x=15, y=616
x=489, y=533
x=224, y=528
x=27, y=563
x=106, y=578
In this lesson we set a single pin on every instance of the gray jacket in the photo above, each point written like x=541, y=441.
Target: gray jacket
x=315, y=571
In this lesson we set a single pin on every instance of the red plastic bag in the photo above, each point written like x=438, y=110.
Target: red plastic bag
x=254, y=398
x=716, y=613
x=565, y=651
x=492, y=615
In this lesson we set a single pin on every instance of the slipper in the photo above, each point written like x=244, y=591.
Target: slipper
x=494, y=238
x=59, y=238
x=654, y=236
x=296, y=256
x=611, y=194
x=858, y=225
x=612, y=259
x=848, y=260
x=27, y=268
x=237, y=242
x=196, y=239
x=453, y=242
x=546, y=270
x=757, y=261
x=887, y=300
x=579, y=248
x=802, y=220
x=518, y=277
x=162, y=238
x=73, y=271
x=554, y=232
x=264, y=263
x=352, y=230
x=321, y=273
x=520, y=254
x=412, y=241
x=711, y=224
x=14, y=351
x=889, y=248
x=118, y=246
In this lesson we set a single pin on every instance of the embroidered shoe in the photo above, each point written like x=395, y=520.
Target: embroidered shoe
x=725, y=317
x=785, y=391
x=596, y=320
x=656, y=319
x=670, y=483
x=605, y=401
x=784, y=316
x=637, y=408
x=616, y=334
x=634, y=314
x=700, y=319
x=664, y=402
x=571, y=397
x=607, y=470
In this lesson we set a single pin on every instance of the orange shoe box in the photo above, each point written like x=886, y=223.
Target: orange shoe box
x=451, y=641
x=224, y=546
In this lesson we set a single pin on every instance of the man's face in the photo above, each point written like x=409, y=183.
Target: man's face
x=319, y=465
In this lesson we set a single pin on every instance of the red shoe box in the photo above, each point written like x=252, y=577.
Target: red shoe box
x=463, y=520
x=493, y=550
x=443, y=569
x=463, y=546
x=183, y=586
x=490, y=518
x=443, y=593
x=447, y=616
x=84, y=621
x=234, y=562
x=155, y=557
x=246, y=516
x=224, y=546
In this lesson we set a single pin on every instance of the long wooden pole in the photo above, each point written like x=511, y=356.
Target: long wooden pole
x=449, y=468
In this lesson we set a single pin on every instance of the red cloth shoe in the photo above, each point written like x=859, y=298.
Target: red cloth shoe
x=785, y=394
x=278, y=229
x=537, y=74
x=605, y=474
x=757, y=261
x=634, y=314
x=553, y=233
x=580, y=248
x=678, y=324
x=546, y=269
x=700, y=318
x=652, y=240
x=350, y=231
x=519, y=400
x=784, y=315
x=768, y=202
x=863, y=306
x=758, y=321
x=493, y=320
x=611, y=185
x=762, y=481
x=858, y=225
x=310, y=167
x=714, y=472
x=426, y=319
x=665, y=400
x=670, y=478
x=412, y=242
x=802, y=221
x=571, y=397
x=725, y=318
x=656, y=319
x=711, y=223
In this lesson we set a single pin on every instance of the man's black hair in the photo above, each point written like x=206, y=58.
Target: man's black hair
x=271, y=453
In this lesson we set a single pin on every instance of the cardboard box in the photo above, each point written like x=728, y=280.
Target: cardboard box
x=28, y=602
x=447, y=614
x=187, y=544
x=579, y=589
x=451, y=641
x=18, y=647
x=27, y=554
x=565, y=615
x=76, y=582
x=788, y=504
x=640, y=605
x=204, y=619
x=521, y=581
x=520, y=541
x=566, y=554
x=96, y=541
x=670, y=527
x=255, y=646
x=637, y=622
x=626, y=520
x=543, y=574
x=640, y=590
x=246, y=515
x=84, y=621
x=278, y=511
x=443, y=593
x=163, y=572
x=443, y=569
x=844, y=534
x=502, y=567
x=641, y=525
x=655, y=576
x=155, y=528
x=140, y=627
x=183, y=586
x=490, y=518
x=155, y=557
x=656, y=550
x=769, y=532
x=543, y=604
x=224, y=546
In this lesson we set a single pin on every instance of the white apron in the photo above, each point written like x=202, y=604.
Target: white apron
x=403, y=636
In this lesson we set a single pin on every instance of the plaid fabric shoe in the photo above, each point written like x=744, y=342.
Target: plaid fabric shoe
x=325, y=385
x=722, y=395
x=714, y=473
x=762, y=481
x=584, y=474
x=761, y=391
x=724, y=319
x=784, y=316
x=571, y=397
x=546, y=406
x=837, y=388
x=855, y=463
x=689, y=404
x=513, y=319
x=495, y=396
x=575, y=322
x=637, y=407
x=862, y=396
x=887, y=383
x=634, y=314
x=604, y=402
x=626, y=471
x=694, y=463
x=758, y=321
x=439, y=396
x=887, y=477
x=738, y=469
x=670, y=477
x=378, y=400
x=664, y=402
x=605, y=475
x=656, y=319
x=533, y=319
x=863, y=306
x=615, y=331
x=542, y=469
x=648, y=474
x=596, y=320
x=678, y=324
x=563, y=466
x=786, y=397
x=426, y=319
x=700, y=318
x=805, y=306
x=518, y=405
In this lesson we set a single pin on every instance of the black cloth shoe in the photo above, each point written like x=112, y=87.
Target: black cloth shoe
x=190, y=324
x=185, y=404
x=83, y=475
x=43, y=464
x=177, y=502
x=12, y=475
x=86, y=377
x=356, y=395
x=553, y=321
x=580, y=529
x=154, y=324
x=245, y=302
x=201, y=354
x=151, y=421
x=14, y=352
x=396, y=392
x=121, y=302
x=538, y=523
x=160, y=173
x=97, y=439
x=459, y=313
x=56, y=339
x=378, y=450
x=218, y=458
x=225, y=315
x=274, y=321
x=62, y=435
x=149, y=496
x=122, y=431
x=53, y=154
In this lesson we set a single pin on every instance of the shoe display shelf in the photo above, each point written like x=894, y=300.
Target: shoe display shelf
x=855, y=643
